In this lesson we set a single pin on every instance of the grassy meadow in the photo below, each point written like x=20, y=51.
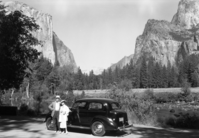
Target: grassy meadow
x=155, y=90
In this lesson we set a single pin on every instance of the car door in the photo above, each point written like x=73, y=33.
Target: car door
x=83, y=113
x=95, y=109
x=78, y=113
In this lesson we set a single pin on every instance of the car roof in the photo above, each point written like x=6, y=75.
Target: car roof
x=96, y=99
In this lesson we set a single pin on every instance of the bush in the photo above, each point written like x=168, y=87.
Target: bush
x=140, y=110
x=125, y=85
x=148, y=95
x=184, y=119
x=185, y=89
x=166, y=97
x=45, y=95
x=23, y=109
x=44, y=107
x=83, y=94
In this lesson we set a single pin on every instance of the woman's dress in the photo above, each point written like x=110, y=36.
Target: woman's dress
x=63, y=116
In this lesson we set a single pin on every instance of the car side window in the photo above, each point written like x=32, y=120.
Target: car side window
x=95, y=106
x=115, y=106
x=80, y=105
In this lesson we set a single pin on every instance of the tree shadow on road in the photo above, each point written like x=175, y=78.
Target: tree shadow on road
x=17, y=122
x=13, y=124
x=10, y=123
x=109, y=134
x=165, y=133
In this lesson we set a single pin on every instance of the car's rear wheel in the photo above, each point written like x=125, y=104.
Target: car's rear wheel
x=49, y=124
x=98, y=128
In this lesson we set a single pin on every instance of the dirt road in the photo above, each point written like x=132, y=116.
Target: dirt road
x=35, y=128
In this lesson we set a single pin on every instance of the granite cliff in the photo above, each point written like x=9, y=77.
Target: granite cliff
x=53, y=48
x=169, y=42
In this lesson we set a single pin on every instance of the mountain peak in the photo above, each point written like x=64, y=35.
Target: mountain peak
x=187, y=15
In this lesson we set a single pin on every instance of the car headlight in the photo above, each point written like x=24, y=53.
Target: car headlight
x=110, y=120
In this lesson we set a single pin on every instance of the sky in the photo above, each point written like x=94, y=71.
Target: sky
x=101, y=32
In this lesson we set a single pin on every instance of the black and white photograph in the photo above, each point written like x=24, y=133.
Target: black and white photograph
x=99, y=68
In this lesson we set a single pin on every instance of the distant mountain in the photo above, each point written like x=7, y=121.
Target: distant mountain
x=53, y=48
x=96, y=70
x=123, y=62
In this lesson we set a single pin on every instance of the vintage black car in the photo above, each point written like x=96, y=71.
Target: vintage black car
x=98, y=114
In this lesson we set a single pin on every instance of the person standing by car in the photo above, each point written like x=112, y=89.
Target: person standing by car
x=55, y=107
x=63, y=116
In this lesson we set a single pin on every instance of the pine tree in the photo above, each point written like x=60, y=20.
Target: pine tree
x=164, y=77
x=150, y=67
x=172, y=78
x=143, y=74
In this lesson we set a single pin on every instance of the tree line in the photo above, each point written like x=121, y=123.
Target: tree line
x=148, y=74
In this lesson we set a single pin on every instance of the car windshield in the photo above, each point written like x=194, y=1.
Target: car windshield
x=115, y=106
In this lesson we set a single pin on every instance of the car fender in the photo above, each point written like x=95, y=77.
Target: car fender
x=105, y=121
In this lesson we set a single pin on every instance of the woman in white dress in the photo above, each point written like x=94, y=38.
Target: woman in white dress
x=63, y=116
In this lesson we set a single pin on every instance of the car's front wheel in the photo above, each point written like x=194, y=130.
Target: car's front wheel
x=98, y=128
x=49, y=124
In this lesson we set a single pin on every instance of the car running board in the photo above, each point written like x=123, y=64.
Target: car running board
x=80, y=127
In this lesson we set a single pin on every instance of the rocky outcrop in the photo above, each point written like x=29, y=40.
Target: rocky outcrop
x=169, y=42
x=123, y=62
x=187, y=15
x=64, y=56
x=157, y=41
x=53, y=48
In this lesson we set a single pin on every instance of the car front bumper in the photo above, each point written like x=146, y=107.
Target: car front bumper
x=125, y=128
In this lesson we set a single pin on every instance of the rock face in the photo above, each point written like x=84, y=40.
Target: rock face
x=187, y=15
x=63, y=55
x=53, y=48
x=169, y=42
x=123, y=62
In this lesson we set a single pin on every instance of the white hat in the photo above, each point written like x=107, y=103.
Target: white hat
x=57, y=97
x=62, y=101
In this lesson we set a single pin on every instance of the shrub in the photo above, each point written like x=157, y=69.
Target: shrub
x=23, y=109
x=148, y=94
x=139, y=110
x=44, y=107
x=45, y=95
x=125, y=85
x=184, y=119
x=83, y=94
x=185, y=89
x=166, y=97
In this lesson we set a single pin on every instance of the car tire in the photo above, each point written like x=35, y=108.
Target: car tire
x=48, y=124
x=98, y=128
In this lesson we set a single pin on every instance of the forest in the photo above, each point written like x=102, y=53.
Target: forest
x=148, y=74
